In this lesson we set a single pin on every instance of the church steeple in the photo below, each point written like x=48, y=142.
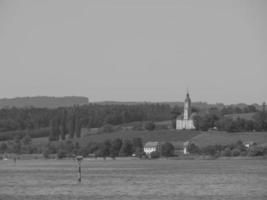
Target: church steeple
x=187, y=121
x=187, y=106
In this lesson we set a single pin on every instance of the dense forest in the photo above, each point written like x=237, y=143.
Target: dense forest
x=225, y=119
x=69, y=120
x=43, y=102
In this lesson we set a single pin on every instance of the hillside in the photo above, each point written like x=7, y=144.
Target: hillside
x=223, y=138
x=43, y=102
x=161, y=135
x=157, y=135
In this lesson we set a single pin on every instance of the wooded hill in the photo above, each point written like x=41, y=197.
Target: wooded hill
x=43, y=102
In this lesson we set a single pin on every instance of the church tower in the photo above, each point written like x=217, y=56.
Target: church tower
x=185, y=121
x=187, y=107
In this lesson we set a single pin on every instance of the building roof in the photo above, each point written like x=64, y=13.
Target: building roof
x=151, y=144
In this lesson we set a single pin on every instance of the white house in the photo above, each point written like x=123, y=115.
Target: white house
x=185, y=121
x=151, y=147
x=186, y=148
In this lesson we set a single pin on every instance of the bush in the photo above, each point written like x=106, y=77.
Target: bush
x=108, y=128
x=235, y=152
x=256, y=151
x=126, y=148
x=167, y=149
x=138, y=126
x=226, y=152
x=3, y=147
x=139, y=152
x=193, y=149
x=209, y=150
x=243, y=153
x=162, y=127
x=150, y=126
x=61, y=154
x=265, y=151
x=154, y=155
x=115, y=147
x=239, y=145
x=46, y=153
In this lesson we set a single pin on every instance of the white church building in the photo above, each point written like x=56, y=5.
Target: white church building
x=185, y=121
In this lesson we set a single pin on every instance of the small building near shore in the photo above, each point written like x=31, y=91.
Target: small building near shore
x=186, y=144
x=150, y=147
x=181, y=148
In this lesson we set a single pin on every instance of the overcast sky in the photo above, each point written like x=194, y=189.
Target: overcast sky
x=146, y=50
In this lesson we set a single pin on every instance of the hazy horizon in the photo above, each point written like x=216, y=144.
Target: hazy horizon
x=115, y=50
x=132, y=101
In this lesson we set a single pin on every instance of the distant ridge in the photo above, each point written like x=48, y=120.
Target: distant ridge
x=68, y=101
x=197, y=104
x=43, y=102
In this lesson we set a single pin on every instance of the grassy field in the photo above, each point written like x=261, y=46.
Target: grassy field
x=156, y=135
x=197, y=137
x=134, y=179
x=224, y=138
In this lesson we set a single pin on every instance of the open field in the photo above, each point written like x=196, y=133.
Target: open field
x=134, y=179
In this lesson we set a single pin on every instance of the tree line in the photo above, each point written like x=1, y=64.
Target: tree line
x=69, y=120
x=215, y=118
x=60, y=122
x=230, y=150
x=107, y=148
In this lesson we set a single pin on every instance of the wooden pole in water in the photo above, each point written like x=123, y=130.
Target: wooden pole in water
x=80, y=173
x=79, y=160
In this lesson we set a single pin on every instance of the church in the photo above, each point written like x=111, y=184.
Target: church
x=185, y=121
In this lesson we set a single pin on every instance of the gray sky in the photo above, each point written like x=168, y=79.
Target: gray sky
x=138, y=50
